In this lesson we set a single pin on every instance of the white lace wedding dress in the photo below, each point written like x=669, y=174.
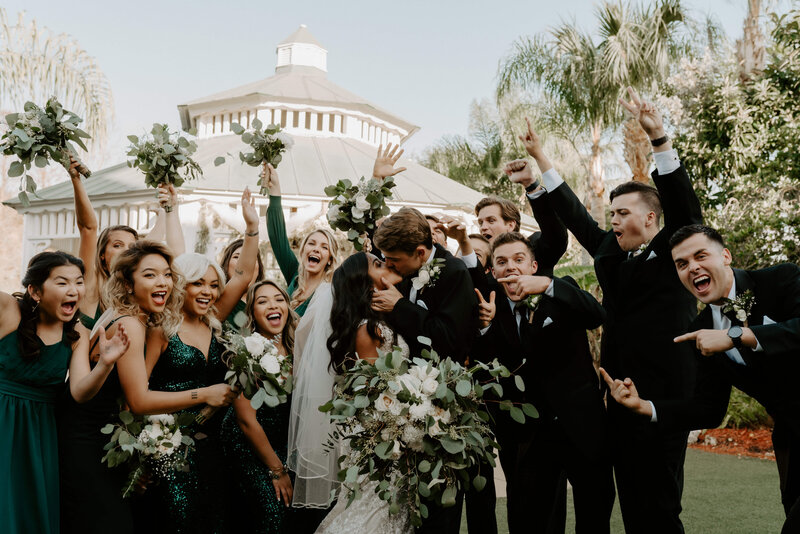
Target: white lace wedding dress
x=368, y=514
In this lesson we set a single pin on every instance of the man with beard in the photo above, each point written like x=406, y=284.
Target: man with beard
x=748, y=336
x=646, y=308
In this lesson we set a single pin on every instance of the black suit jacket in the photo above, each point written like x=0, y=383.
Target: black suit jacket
x=770, y=376
x=560, y=380
x=646, y=304
x=449, y=318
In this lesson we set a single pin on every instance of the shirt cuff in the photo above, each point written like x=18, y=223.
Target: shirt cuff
x=484, y=330
x=666, y=162
x=653, y=417
x=536, y=194
x=470, y=260
x=758, y=348
x=549, y=291
x=551, y=179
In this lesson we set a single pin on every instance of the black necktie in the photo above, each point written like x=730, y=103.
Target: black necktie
x=731, y=314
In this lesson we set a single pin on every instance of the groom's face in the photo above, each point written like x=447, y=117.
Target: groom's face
x=403, y=263
x=704, y=267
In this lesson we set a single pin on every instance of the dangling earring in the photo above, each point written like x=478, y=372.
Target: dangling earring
x=35, y=306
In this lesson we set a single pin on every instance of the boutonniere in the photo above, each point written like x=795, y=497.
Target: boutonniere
x=741, y=306
x=532, y=301
x=640, y=249
x=428, y=274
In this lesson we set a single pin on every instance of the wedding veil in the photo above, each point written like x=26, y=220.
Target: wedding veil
x=315, y=468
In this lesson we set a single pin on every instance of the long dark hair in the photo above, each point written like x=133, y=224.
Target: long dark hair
x=287, y=334
x=352, y=303
x=39, y=269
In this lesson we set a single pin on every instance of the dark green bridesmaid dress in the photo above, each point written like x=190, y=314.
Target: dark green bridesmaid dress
x=191, y=501
x=29, y=499
x=257, y=508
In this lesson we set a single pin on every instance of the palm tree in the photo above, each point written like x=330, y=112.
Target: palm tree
x=578, y=78
x=36, y=64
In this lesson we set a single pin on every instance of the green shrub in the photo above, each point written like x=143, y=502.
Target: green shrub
x=745, y=412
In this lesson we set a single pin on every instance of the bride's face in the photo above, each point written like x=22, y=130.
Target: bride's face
x=379, y=272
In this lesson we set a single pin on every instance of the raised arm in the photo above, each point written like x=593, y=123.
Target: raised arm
x=168, y=198
x=86, y=220
x=565, y=204
x=386, y=160
x=133, y=378
x=85, y=381
x=243, y=274
x=276, y=227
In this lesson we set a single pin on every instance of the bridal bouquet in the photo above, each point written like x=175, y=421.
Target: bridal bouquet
x=155, y=444
x=356, y=208
x=268, y=146
x=164, y=157
x=257, y=370
x=37, y=136
x=415, y=427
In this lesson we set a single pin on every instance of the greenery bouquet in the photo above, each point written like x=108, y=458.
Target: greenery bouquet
x=268, y=146
x=37, y=136
x=257, y=370
x=415, y=428
x=152, y=444
x=164, y=157
x=355, y=209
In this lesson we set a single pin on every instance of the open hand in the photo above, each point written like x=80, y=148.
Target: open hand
x=283, y=489
x=708, y=342
x=167, y=196
x=386, y=160
x=249, y=211
x=520, y=286
x=624, y=392
x=112, y=349
x=646, y=113
x=453, y=228
x=520, y=172
x=384, y=300
x=486, y=309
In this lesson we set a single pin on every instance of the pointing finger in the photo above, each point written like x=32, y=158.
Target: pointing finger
x=685, y=337
x=480, y=297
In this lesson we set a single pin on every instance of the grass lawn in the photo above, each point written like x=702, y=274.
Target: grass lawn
x=722, y=495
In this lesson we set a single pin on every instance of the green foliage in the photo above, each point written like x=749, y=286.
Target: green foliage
x=165, y=157
x=36, y=136
x=738, y=140
x=355, y=209
x=744, y=412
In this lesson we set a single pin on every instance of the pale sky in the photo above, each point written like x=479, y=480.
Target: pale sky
x=424, y=61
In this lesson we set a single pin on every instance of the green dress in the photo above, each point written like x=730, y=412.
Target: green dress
x=276, y=230
x=191, y=501
x=89, y=322
x=28, y=443
x=257, y=508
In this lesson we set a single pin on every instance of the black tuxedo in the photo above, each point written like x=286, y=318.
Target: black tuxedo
x=449, y=315
x=449, y=320
x=647, y=306
x=570, y=435
x=770, y=376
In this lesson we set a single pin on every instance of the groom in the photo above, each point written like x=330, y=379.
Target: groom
x=748, y=336
x=435, y=300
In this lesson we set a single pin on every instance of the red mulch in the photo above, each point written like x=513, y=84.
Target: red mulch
x=753, y=443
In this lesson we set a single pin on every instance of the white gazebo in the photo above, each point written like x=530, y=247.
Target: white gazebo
x=336, y=136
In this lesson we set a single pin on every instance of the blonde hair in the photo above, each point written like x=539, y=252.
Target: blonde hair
x=117, y=290
x=102, y=270
x=287, y=335
x=333, y=249
x=194, y=266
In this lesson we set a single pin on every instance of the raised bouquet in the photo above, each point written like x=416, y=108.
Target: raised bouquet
x=256, y=369
x=416, y=428
x=164, y=157
x=268, y=146
x=37, y=136
x=150, y=444
x=355, y=209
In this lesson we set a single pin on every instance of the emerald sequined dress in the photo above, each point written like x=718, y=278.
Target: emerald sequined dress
x=191, y=501
x=257, y=508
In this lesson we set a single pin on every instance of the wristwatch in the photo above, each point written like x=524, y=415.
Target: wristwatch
x=735, y=333
x=660, y=141
x=532, y=187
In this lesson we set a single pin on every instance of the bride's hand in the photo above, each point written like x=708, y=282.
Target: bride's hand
x=384, y=300
x=283, y=488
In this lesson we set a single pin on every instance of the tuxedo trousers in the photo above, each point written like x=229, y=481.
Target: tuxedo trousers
x=786, y=443
x=648, y=467
x=443, y=520
x=481, y=505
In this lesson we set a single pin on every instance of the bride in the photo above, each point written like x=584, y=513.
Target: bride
x=343, y=313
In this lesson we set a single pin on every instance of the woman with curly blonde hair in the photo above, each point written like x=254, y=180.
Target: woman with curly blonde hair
x=144, y=290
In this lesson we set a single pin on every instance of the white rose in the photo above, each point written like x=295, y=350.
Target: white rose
x=361, y=203
x=418, y=412
x=434, y=429
x=270, y=364
x=429, y=386
x=386, y=402
x=396, y=450
x=356, y=212
x=256, y=344
x=412, y=383
x=333, y=212
x=440, y=414
x=286, y=139
x=164, y=419
x=741, y=315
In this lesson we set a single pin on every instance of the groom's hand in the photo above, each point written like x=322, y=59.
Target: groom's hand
x=384, y=300
x=624, y=392
x=708, y=342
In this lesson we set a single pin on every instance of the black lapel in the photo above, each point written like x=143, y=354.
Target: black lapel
x=744, y=282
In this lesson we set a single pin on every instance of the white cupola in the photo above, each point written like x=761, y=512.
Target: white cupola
x=301, y=50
